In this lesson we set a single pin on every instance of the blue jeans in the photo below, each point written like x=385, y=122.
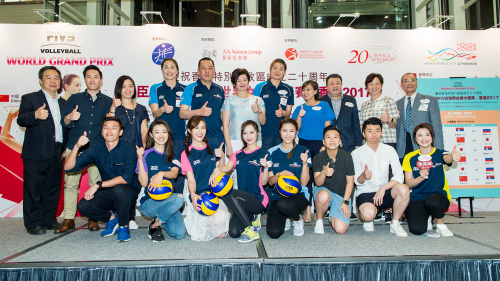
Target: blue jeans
x=168, y=213
x=179, y=147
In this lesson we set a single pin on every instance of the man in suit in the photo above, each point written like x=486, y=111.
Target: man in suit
x=40, y=112
x=416, y=109
x=346, y=112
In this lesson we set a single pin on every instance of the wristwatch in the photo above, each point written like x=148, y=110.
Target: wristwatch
x=346, y=202
x=99, y=185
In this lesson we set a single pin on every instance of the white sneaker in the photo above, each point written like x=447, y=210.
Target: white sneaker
x=132, y=225
x=429, y=224
x=288, y=224
x=368, y=226
x=298, y=228
x=319, y=228
x=398, y=229
x=443, y=230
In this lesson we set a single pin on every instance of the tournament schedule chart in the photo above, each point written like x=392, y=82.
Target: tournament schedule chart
x=470, y=116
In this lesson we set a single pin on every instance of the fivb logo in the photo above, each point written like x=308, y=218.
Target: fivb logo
x=60, y=37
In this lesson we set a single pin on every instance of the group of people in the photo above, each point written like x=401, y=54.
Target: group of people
x=198, y=134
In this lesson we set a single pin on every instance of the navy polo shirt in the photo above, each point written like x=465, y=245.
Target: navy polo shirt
x=201, y=164
x=273, y=98
x=119, y=162
x=159, y=92
x=196, y=95
x=92, y=113
x=154, y=162
x=278, y=162
x=250, y=172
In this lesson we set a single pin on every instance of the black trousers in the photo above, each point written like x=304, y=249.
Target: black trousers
x=286, y=207
x=244, y=206
x=419, y=211
x=114, y=198
x=41, y=189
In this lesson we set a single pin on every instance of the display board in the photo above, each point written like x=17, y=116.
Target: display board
x=469, y=111
x=310, y=54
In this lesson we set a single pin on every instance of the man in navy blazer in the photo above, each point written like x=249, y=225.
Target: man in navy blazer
x=40, y=112
x=346, y=112
x=422, y=109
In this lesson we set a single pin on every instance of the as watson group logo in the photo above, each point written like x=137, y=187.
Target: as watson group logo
x=163, y=51
x=293, y=54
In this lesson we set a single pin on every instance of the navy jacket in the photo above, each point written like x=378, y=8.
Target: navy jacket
x=347, y=122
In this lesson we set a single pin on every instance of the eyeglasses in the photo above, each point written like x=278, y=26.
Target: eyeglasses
x=409, y=80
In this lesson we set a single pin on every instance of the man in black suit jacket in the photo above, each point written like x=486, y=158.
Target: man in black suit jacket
x=40, y=112
x=347, y=115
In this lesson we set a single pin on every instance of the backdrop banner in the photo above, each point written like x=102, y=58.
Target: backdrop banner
x=311, y=54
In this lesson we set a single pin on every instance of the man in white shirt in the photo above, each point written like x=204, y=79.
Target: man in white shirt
x=374, y=191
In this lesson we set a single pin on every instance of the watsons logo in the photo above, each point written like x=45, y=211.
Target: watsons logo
x=64, y=42
x=161, y=52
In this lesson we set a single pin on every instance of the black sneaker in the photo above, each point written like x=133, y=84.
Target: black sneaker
x=155, y=234
x=388, y=217
x=380, y=216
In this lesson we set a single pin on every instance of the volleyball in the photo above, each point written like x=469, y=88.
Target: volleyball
x=209, y=203
x=161, y=192
x=224, y=185
x=287, y=186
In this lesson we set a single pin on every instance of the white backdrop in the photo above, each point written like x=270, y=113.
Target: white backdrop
x=309, y=53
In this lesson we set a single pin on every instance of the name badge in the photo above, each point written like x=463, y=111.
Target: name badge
x=425, y=101
x=423, y=107
x=179, y=93
x=199, y=95
x=349, y=104
x=379, y=106
x=283, y=101
x=316, y=108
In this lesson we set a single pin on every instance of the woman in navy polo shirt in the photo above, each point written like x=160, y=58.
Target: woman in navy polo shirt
x=287, y=159
x=315, y=115
x=250, y=199
x=430, y=194
x=198, y=161
x=156, y=163
x=135, y=120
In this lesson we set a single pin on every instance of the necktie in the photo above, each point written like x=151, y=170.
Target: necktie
x=408, y=115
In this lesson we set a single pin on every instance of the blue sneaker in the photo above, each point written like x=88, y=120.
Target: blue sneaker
x=249, y=235
x=123, y=234
x=111, y=227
